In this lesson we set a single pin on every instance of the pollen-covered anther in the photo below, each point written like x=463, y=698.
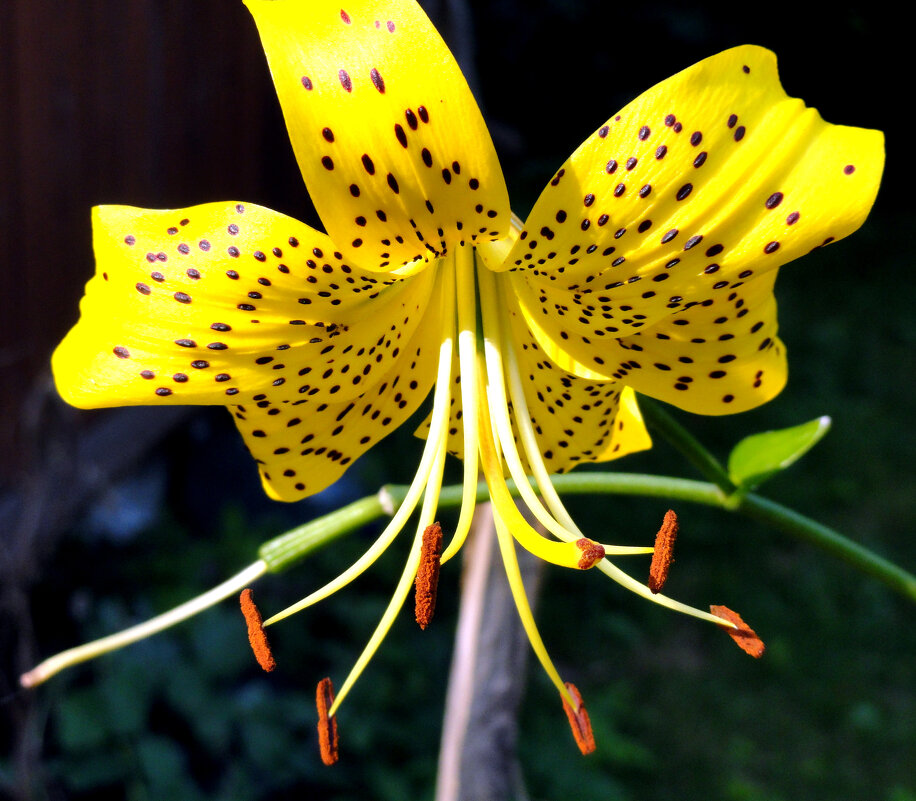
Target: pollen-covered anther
x=427, y=580
x=327, y=725
x=578, y=720
x=591, y=553
x=256, y=635
x=663, y=555
x=743, y=635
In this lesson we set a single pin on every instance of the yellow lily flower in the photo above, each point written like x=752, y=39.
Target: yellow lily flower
x=647, y=264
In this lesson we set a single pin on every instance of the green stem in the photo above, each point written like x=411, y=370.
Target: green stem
x=289, y=548
x=682, y=440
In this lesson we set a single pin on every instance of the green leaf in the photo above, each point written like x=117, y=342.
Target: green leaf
x=761, y=456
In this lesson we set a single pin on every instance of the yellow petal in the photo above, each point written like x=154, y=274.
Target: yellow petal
x=303, y=446
x=717, y=357
x=390, y=142
x=575, y=419
x=222, y=303
x=714, y=174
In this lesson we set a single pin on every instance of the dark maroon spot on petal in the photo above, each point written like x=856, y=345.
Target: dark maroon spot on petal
x=700, y=160
x=233, y=229
x=400, y=135
x=715, y=250
x=427, y=157
x=774, y=200
x=121, y=352
x=711, y=268
x=771, y=247
x=186, y=343
x=307, y=82
x=424, y=114
x=670, y=120
x=345, y=16
x=393, y=183
x=619, y=189
x=792, y=218
x=849, y=169
x=661, y=151
x=220, y=327
x=746, y=69
x=695, y=138
x=327, y=162
x=684, y=191
x=588, y=199
x=474, y=183
x=367, y=164
x=732, y=120
x=644, y=226
x=354, y=191
x=603, y=131
x=293, y=242
x=130, y=240
x=345, y=81
x=739, y=133
x=143, y=289
x=203, y=245
x=181, y=378
x=631, y=163
x=644, y=133
x=693, y=241
x=678, y=127
x=328, y=134
x=184, y=249
x=447, y=175
x=669, y=236
x=163, y=392
x=232, y=274
x=260, y=256
x=148, y=374
x=411, y=119
x=157, y=277
x=218, y=346
x=645, y=191
x=181, y=297
x=611, y=167
x=233, y=251
x=377, y=80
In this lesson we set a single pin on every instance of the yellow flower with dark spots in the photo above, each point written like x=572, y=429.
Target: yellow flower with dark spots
x=647, y=264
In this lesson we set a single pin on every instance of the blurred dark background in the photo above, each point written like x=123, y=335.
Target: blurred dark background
x=113, y=516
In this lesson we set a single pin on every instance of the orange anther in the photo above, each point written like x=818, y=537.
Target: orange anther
x=256, y=635
x=327, y=726
x=663, y=555
x=744, y=635
x=427, y=581
x=591, y=553
x=578, y=720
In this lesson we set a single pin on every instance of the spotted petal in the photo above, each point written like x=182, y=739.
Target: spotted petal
x=716, y=357
x=390, y=142
x=714, y=174
x=229, y=303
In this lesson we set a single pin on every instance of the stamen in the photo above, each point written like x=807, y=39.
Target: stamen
x=664, y=552
x=427, y=580
x=742, y=634
x=578, y=720
x=591, y=551
x=256, y=635
x=328, y=739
